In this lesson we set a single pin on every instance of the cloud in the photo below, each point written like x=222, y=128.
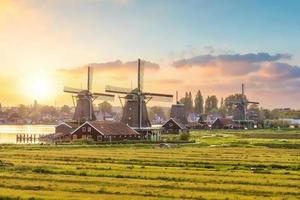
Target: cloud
x=280, y=71
x=208, y=59
x=231, y=64
x=114, y=65
x=169, y=81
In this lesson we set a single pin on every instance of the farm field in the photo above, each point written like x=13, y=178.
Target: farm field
x=220, y=165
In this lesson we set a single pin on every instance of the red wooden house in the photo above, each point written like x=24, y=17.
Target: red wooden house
x=105, y=131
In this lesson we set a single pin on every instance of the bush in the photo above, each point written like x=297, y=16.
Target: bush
x=184, y=136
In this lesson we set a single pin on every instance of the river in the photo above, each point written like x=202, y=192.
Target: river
x=8, y=133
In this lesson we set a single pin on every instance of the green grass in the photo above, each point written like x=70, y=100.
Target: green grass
x=220, y=165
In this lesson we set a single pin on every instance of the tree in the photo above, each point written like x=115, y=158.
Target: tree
x=156, y=111
x=211, y=104
x=222, y=108
x=199, y=103
x=187, y=101
x=65, y=109
x=105, y=107
x=184, y=136
x=23, y=111
x=48, y=110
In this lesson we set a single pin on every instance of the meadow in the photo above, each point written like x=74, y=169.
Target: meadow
x=253, y=164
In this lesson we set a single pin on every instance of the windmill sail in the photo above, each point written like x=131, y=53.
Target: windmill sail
x=104, y=97
x=90, y=78
x=72, y=90
x=135, y=110
x=119, y=90
x=84, y=100
x=241, y=106
x=161, y=99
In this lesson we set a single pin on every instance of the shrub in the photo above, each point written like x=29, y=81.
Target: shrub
x=184, y=136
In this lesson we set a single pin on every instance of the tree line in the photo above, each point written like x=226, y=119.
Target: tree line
x=211, y=103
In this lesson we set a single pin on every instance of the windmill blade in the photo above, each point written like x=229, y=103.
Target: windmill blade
x=161, y=99
x=252, y=102
x=90, y=78
x=157, y=94
x=72, y=90
x=233, y=101
x=102, y=96
x=141, y=69
x=118, y=90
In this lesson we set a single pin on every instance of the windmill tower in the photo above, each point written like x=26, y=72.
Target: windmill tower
x=241, y=106
x=178, y=111
x=135, y=112
x=84, y=110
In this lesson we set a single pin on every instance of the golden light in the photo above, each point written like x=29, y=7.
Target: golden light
x=39, y=87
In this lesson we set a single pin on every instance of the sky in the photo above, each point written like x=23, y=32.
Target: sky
x=213, y=46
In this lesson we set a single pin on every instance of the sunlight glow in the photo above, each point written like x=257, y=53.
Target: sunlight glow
x=40, y=88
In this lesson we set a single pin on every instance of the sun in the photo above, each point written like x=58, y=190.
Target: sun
x=40, y=88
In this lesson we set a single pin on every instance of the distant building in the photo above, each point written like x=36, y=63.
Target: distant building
x=225, y=123
x=105, y=131
x=173, y=126
x=62, y=132
x=178, y=113
x=66, y=127
x=211, y=117
x=201, y=125
x=193, y=117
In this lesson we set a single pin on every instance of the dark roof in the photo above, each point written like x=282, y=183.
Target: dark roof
x=225, y=121
x=181, y=126
x=72, y=125
x=111, y=128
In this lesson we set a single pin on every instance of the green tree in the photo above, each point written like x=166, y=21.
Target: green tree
x=222, y=108
x=105, y=107
x=48, y=110
x=65, y=109
x=199, y=103
x=156, y=111
x=23, y=111
x=211, y=104
x=184, y=136
x=187, y=101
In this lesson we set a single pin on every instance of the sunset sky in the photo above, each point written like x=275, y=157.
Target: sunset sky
x=212, y=45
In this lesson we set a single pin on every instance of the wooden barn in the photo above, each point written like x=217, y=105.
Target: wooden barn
x=66, y=127
x=225, y=123
x=198, y=126
x=173, y=126
x=62, y=132
x=105, y=131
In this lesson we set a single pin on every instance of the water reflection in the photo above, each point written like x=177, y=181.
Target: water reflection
x=8, y=133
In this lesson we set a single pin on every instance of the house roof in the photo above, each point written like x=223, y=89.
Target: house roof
x=176, y=122
x=72, y=125
x=110, y=128
x=224, y=121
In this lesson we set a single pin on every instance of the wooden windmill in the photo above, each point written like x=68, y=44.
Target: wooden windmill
x=134, y=110
x=241, y=106
x=178, y=111
x=84, y=100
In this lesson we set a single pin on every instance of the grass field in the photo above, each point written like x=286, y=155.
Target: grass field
x=220, y=165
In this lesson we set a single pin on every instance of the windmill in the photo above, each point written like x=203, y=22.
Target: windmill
x=135, y=110
x=241, y=106
x=178, y=111
x=84, y=100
